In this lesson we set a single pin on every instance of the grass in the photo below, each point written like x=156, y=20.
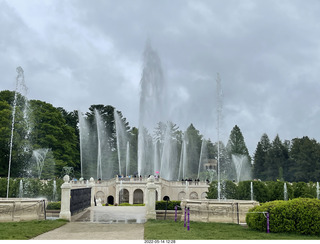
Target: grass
x=25, y=230
x=171, y=230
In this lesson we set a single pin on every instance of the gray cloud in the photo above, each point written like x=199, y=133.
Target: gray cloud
x=78, y=53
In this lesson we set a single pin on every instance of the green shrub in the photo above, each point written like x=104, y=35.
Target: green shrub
x=54, y=206
x=161, y=205
x=300, y=215
x=128, y=204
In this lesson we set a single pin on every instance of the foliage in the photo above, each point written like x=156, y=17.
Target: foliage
x=295, y=161
x=27, y=229
x=263, y=191
x=128, y=204
x=32, y=188
x=56, y=129
x=171, y=230
x=161, y=205
x=54, y=206
x=300, y=215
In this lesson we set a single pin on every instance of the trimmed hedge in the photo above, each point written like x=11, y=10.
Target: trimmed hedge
x=54, y=206
x=263, y=191
x=300, y=215
x=161, y=205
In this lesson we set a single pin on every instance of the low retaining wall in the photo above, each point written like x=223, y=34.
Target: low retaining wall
x=22, y=209
x=170, y=214
x=223, y=211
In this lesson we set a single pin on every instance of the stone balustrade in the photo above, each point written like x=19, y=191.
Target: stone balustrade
x=22, y=209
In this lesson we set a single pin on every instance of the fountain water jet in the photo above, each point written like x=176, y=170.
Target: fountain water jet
x=251, y=190
x=20, y=87
x=121, y=139
x=40, y=157
x=219, y=112
x=239, y=161
x=54, y=191
x=152, y=100
x=318, y=191
x=128, y=159
x=20, y=189
x=203, y=156
x=285, y=192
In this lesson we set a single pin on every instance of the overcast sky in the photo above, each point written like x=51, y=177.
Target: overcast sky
x=78, y=53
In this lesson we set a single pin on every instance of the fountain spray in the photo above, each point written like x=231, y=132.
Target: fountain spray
x=219, y=111
x=19, y=82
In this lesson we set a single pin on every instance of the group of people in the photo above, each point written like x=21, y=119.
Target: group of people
x=196, y=181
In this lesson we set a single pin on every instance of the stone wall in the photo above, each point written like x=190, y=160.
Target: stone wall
x=21, y=209
x=223, y=211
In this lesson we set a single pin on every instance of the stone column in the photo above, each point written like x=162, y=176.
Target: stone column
x=151, y=199
x=131, y=190
x=65, y=199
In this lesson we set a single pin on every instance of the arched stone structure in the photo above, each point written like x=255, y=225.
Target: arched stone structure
x=138, y=196
x=123, y=196
x=101, y=195
x=193, y=195
x=110, y=200
x=166, y=198
x=204, y=195
x=181, y=195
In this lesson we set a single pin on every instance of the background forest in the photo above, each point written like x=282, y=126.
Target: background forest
x=56, y=130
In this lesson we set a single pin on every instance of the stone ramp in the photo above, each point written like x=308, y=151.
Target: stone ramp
x=102, y=223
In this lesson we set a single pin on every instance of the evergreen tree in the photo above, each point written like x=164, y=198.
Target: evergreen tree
x=305, y=156
x=259, y=168
x=236, y=146
x=277, y=160
x=193, y=150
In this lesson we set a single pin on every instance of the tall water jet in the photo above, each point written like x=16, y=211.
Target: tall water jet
x=251, y=190
x=152, y=98
x=122, y=139
x=219, y=113
x=318, y=191
x=239, y=162
x=21, y=189
x=54, y=191
x=99, y=138
x=203, y=156
x=156, y=160
x=183, y=158
x=128, y=159
x=169, y=154
x=285, y=192
x=104, y=164
x=20, y=87
x=84, y=137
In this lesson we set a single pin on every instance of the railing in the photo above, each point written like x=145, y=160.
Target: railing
x=80, y=199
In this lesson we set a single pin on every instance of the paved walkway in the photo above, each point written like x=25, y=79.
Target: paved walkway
x=102, y=223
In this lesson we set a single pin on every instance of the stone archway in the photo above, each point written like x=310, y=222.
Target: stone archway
x=123, y=196
x=204, y=195
x=166, y=198
x=194, y=195
x=110, y=200
x=181, y=195
x=138, y=196
x=100, y=195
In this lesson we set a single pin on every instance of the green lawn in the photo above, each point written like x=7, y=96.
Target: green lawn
x=170, y=230
x=27, y=229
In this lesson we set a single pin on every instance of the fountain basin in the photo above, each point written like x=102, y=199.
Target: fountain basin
x=223, y=211
x=22, y=209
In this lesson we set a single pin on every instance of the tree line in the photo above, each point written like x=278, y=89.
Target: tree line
x=58, y=130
